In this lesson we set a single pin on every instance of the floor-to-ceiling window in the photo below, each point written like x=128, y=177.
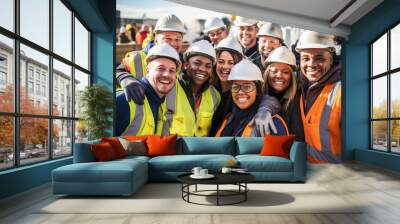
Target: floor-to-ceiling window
x=385, y=91
x=44, y=64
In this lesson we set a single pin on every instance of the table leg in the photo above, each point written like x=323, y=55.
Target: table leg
x=217, y=194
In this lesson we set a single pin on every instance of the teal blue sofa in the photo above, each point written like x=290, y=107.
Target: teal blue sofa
x=125, y=176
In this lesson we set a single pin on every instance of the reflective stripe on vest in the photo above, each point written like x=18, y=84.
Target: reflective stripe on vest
x=181, y=119
x=170, y=101
x=249, y=131
x=142, y=120
x=322, y=125
x=135, y=63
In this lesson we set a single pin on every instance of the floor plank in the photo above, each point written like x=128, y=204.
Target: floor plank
x=377, y=191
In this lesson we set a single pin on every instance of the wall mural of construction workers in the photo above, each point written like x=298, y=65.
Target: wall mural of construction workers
x=239, y=80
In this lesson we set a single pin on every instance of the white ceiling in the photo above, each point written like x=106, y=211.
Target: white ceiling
x=319, y=15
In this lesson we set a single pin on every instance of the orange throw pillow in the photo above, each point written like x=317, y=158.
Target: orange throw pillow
x=159, y=146
x=135, y=137
x=277, y=145
x=103, y=152
x=116, y=145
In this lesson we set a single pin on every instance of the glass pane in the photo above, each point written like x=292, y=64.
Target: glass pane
x=62, y=141
x=34, y=81
x=379, y=135
x=33, y=139
x=395, y=132
x=379, y=98
x=6, y=74
x=62, y=89
x=81, y=131
x=62, y=29
x=7, y=14
x=395, y=95
x=6, y=142
x=379, y=55
x=395, y=47
x=35, y=21
x=81, y=45
x=81, y=81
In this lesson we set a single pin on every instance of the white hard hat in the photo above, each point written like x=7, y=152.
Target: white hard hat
x=163, y=50
x=270, y=29
x=230, y=44
x=282, y=54
x=245, y=70
x=310, y=39
x=201, y=47
x=241, y=21
x=169, y=23
x=213, y=23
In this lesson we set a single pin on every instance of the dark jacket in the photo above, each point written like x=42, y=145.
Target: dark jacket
x=252, y=53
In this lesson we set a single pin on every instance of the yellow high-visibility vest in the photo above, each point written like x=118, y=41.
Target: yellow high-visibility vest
x=141, y=120
x=182, y=120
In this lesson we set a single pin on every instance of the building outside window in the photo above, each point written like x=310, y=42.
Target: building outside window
x=385, y=94
x=56, y=127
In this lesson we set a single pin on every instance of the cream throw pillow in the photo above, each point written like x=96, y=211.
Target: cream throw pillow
x=136, y=147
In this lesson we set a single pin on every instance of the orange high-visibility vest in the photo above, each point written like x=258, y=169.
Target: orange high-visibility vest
x=321, y=124
x=250, y=131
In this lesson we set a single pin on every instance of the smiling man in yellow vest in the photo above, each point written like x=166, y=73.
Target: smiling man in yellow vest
x=320, y=99
x=196, y=100
x=133, y=119
x=169, y=29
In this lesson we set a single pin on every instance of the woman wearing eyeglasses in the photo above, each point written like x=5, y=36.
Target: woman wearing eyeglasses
x=246, y=88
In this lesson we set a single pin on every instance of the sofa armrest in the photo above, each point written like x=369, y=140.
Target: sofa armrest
x=83, y=152
x=298, y=155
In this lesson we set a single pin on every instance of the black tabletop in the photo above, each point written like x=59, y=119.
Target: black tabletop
x=220, y=178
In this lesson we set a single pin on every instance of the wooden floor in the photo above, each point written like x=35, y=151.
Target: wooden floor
x=377, y=188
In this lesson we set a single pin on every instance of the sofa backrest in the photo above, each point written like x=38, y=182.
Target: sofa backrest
x=249, y=145
x=83, y=153
x=206, y=145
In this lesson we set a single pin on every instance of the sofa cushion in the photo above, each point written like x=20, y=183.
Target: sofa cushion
x=206, y=145
x=185, y=163
x=135, y=147
x=161, y=145
x=103, y=152
x=257, y=163
x=249, y=145
x=116, y=145
x=277, y=145
x=111, y=171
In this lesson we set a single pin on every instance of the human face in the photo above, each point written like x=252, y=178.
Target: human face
x=279, y=77
x=315, y=63
x=266, y=44
x=224, y=65
x=248, y=36
x=174, y=39
x=161, y=73
x=199, y=69
x=217, y=35
x=247, y=94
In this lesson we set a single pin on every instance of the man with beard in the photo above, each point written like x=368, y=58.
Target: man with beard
x=132, y=119
x=247, y=36
x=269, y=37
x=320, y=97
x=196, y=100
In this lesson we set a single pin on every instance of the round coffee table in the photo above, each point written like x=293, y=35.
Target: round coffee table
x=238, y=179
